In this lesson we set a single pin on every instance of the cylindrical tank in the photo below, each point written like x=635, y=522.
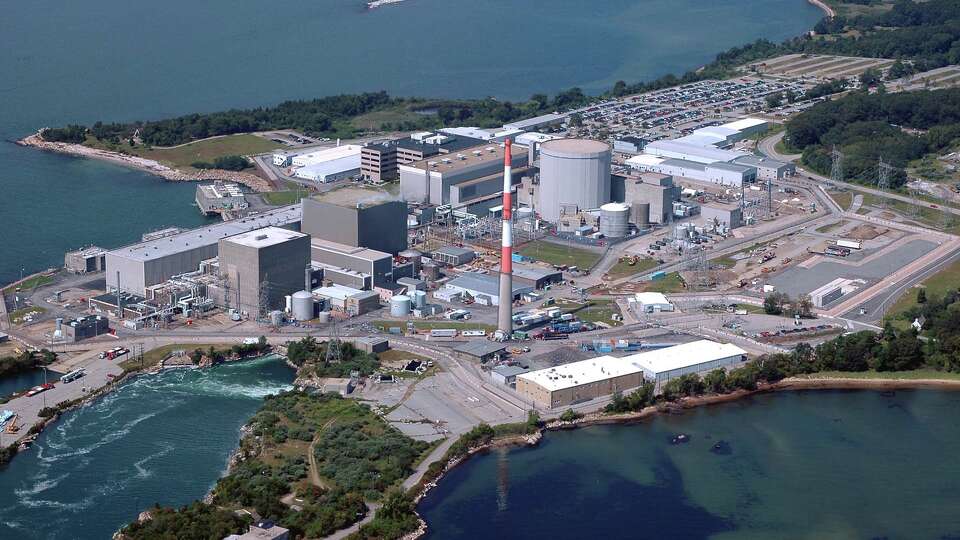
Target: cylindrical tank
x=400, y=306
x=302, y=306
x=323, y=317
x=641, y=215
x=615, y=220
x=413, y=256
x=431, y=272
x=276, y=318
x=573, y=172
x=419, y=299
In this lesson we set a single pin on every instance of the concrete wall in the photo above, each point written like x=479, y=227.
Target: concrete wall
x=281, y=266
x=382, y=227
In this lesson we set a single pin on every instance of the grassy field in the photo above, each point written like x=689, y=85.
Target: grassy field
x=623, y=269
x=671, y=283
x=593, y=311
x=560, y=254
x=206, y=150
x=283, y=198
x=936, y=285
x=912, y=375
x=922, y=215
x=843, y=198
x=30, y=283
x=373, y=121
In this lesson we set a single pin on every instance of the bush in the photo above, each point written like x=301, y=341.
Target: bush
x=570, y=415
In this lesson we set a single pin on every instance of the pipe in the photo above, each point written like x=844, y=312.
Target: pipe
x=505, y=312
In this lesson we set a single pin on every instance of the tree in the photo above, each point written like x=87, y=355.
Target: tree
x=774, y=302
x=921, y=295
x=774, y=100
x=575, y=120
x=716, y=381
x=870, y=77
x=804, y=306
x=619, y=89
x=570, y=415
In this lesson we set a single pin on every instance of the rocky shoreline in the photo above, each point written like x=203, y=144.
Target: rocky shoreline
x=153, y=167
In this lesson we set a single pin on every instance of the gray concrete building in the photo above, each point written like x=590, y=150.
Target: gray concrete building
x=460, y=178
x=358, y=218
x=727, y=215
x=574, y=173
x=157, y=259
x=767, y=168
x=219, y=196
x=85, y=327
x=656, y=190
x=376, y=266
x=453, y=255
x=265, y=264
x=91, y=259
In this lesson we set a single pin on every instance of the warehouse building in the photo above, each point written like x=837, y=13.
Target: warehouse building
x=539, y=122
x=84, y=328
x=357, y=217
x=535, y=276
x=630, y=144
x=262, y=267
x=582, y=381
x=718, y=172
x=379, y=162
x=507, y=375
x=833, y=291
x=479, y=350
x=356, y=267
x=460, y=178
x=348, y=300
x=650, y=302
x=690, y=151
x=158, y=259
x=326, y=155
x=483, y=288
x=330, y=171
x=728, y=216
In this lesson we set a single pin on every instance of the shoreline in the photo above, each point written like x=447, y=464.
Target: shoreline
x=827, y=10
x=420, y=491
x=149, y=166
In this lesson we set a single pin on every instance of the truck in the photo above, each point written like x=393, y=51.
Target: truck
x=443, y=332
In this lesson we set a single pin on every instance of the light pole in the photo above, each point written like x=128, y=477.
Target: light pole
x=44, y=385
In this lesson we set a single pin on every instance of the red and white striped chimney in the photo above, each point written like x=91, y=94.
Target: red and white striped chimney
x=505, y=313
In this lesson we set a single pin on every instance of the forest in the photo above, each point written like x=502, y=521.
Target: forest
x=897, y=127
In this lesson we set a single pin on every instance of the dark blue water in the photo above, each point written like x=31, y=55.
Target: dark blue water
x=831, y=464
x=157, y=439
x=113, y=60
x=24, y=380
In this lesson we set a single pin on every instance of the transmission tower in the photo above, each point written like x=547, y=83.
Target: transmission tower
x=836, y=170
x=333, y=344
x=883, y=179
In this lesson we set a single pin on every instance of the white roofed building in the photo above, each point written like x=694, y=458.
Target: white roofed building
x=650, y=302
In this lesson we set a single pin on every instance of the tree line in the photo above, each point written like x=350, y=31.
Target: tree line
x=898, y=127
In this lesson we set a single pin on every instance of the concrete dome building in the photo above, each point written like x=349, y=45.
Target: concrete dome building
x=574, y=175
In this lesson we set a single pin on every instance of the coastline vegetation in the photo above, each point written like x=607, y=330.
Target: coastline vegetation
x=25, y=361
x=319, y=452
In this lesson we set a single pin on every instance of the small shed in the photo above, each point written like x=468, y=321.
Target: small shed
x=479, y=350
x=507, y=375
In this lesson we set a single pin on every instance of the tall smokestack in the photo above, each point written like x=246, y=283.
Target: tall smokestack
x=505, y=318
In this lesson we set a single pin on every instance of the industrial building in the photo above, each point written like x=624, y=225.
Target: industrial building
x=84, y=328
x=533, y=141
x=348, y=300
x=582, y=381
x=379, y=162
x=833, y=291
x=650, y=302
x=459, y=179
x=507, y=375
x=650, y=196
x=630, y=145
x=262, y=267
x=482, y=288
x=767, y=169
x=729, y=216
x=219, y=196
x=356, y=267
x=574, y=175
x=479, y=350
x=357, y=217
x=537, y=277
x=156, y=260
x=718, y=172
x=539, y=122
x=91, y=259
x=453, y=255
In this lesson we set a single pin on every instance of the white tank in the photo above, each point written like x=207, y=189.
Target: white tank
x=573, y=172
x=323, y=317
x=419, y=299
x=302, y=306
x=413, y=256
x=615, y=220
x=400, y=306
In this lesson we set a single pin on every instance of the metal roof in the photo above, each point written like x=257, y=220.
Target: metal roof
x=531, y=123
x=261, y=238
x=692, y=152
x=488, y=284
x=207, y=236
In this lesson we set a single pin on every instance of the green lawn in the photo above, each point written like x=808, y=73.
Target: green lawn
x=373, y=121
x=593, y=311
x=922, y=215
x=913, y=375
x=560, y=254
x=206, y=150
x=154, y=356
x=284, y=198
x=30, y=283
x=623, y=269
x=671, y=283
x=843, y=198
x=936, y=285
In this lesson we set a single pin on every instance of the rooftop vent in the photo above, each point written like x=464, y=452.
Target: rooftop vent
x=261, y=237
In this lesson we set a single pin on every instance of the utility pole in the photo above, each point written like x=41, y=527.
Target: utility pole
x=883, y=179
x=836, y=170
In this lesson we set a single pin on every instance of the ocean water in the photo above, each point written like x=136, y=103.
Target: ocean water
x=818, y=464
x=117, y=60
x=157, y=439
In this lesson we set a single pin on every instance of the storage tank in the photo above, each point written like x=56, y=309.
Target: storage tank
x=615, y=220
x=573, y=172
x=323, y=317
x=400, y=306
x=641, y=215
x=419, y=299
x=302, y=306
x=413, y=256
